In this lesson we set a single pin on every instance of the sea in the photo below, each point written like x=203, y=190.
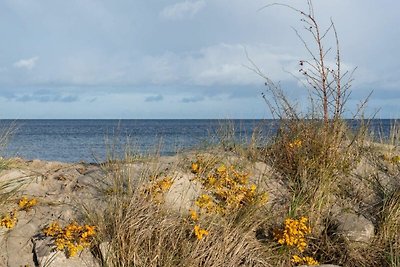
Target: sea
x=97, y=140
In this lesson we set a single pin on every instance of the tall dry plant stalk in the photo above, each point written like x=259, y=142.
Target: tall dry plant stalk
x=329, y=85
x=313, y=151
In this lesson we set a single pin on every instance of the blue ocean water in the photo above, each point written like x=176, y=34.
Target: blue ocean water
x=89, y=140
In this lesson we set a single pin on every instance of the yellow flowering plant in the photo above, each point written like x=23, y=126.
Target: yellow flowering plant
x=71, y=239
x=310, y=261
x=157, y=187
x=9, y=220
x=297, y=143
x=26, y=204
x=193, y=215
x=391, y=159
x=227, y=189
x=195, y=167
x=395, y=159
x=199, y=232
x=294, y=235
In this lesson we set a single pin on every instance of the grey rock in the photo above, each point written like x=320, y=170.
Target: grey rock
x=18, y=241
x=182, y=192
x=105, y=250
x=41, y=247
x=355, y=228
x=58, y=259
x=44, y=255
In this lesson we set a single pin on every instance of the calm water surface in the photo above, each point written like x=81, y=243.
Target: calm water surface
x=87, y=140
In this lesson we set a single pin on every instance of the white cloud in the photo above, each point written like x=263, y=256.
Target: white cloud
x=26, y=63
x=222, y=64
x=181, y=10
x=225, y=64
x=160, y=69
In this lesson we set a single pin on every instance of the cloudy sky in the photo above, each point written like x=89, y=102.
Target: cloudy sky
x=144, y=59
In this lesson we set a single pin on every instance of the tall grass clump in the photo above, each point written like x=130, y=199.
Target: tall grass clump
x=8, y=187
x=137, y=226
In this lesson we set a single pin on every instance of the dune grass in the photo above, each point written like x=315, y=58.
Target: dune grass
x=9, y=187
x=137, y=226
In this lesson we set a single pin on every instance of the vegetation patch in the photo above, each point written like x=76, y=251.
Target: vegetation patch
x=71, y=238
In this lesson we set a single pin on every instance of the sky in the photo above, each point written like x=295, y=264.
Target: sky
x=174, y=59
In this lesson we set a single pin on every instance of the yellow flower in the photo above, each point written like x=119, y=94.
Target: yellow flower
x=221, y=169
x=32, y=202
x=195, y=167
x=227, y=190
x=25, y=204
x=165, y=184
x=395, y=159
x=212, y=180
x=296, y=143
x=294, y=233
x=304, y=260
x=53, y=230
x=73, y=249
x=156, y=189
x=253, y=188
x=72, y=238
x=203, y=201
x=22, y=202
x=194, y=215
x=60, y=244
x=241, y=178
x=9, y=220
x=200, y=232
x=310, y=261
x=90, y=231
